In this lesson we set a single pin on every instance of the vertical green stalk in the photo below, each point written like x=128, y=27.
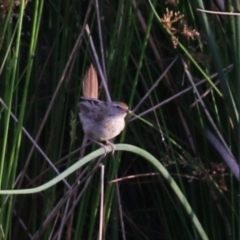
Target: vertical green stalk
x=236, y=31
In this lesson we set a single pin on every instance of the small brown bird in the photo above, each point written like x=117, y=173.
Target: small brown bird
x=101, y=121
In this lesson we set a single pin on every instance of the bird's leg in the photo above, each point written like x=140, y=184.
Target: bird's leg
x=102, y=145
x=111, y=145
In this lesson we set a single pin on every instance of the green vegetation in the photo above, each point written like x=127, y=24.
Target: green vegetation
x=176, y=66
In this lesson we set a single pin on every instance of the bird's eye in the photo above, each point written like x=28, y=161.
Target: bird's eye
x=119, y=107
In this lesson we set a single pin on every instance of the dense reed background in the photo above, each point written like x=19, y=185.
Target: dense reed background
x=180, y=64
